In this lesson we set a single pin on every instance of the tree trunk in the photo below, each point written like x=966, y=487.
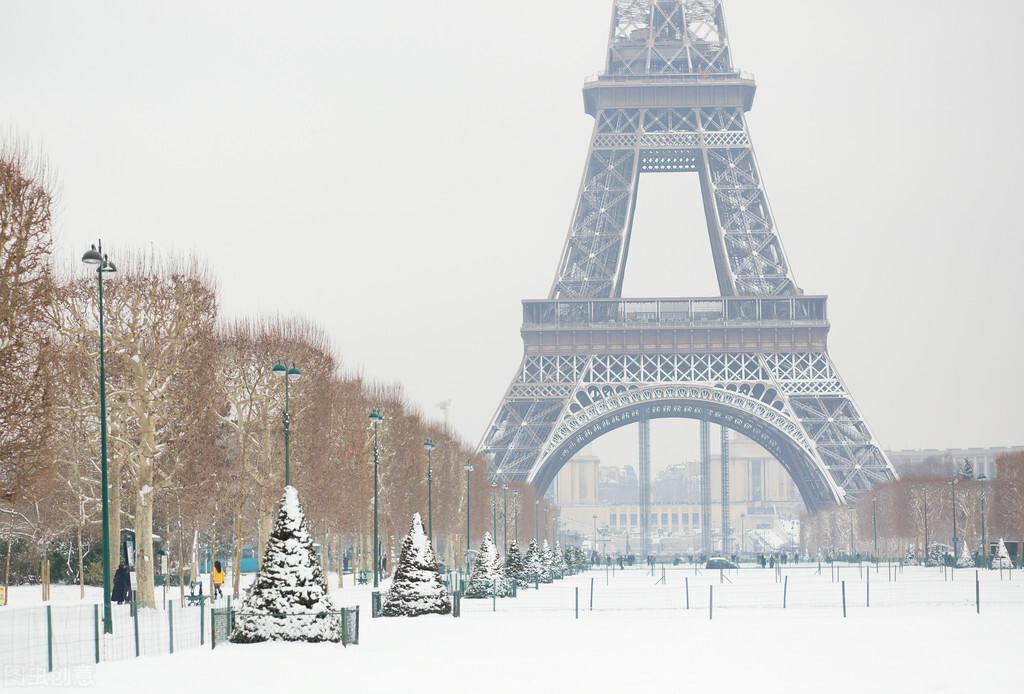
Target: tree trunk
x=194, y=558
x=81, y=566
x=266, y=526
x=339, y=553
x=213, y=552
x=181, y=556
x=144, y=536
x=114, y=501
x=7, y=570
x=236, y=560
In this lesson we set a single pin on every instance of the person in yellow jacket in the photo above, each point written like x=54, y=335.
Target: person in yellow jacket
x=218, y=580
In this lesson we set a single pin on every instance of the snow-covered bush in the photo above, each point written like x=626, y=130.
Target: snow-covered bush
x=289, y=600
x=558, y=567
x=416, y=588
x=1001, y=559
x=547, y=561
x=534, y=562
x=515, y=564
x=965, y=560
x=488, y=572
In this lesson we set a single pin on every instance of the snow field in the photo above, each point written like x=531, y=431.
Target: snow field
x=921, y=634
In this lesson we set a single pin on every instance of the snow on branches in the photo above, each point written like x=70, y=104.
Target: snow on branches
x=289, y=601
x=416, y=588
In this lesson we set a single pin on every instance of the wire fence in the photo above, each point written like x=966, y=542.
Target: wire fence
x=48, y=638
x=839, y=589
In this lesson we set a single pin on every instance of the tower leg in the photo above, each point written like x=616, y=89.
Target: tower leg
x=726, y=524
x=645, y=487
x=705, y=487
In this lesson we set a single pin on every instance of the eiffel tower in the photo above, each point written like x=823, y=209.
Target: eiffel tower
x=753, y=359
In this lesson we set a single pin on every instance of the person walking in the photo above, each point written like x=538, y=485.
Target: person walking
x=122, y=588
x=218, y=580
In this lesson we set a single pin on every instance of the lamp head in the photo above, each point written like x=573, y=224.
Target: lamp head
x=376, y=416
x=108, y=266
x=468, y=467
x=280, y=369
x=429, y=445
x=294, y=373
x=92, y=256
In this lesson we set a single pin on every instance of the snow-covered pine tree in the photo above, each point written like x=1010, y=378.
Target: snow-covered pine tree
x=515, y=565
x=289, y=600
x=534, y=563
x=1001, y=559
x=558, y=566
x=416, y=588
x=965, y=560
x=911, y=558
x=488, y=572
x=547, y=561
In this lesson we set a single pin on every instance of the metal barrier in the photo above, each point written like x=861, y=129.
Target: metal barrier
x=222, y=624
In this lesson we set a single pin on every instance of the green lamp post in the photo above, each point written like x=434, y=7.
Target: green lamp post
x=95, y=256
x=430, y=446
x=289, y=374
x=468, y=467
x=376, y=417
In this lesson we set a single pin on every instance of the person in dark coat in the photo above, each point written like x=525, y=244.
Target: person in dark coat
x=121, y=591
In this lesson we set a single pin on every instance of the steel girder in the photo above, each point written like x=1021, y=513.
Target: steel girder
x=793, y=404
x=714, y=142
x=668, y=37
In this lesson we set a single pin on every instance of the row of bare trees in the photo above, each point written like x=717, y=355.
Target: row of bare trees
x=918, y=512
x=195, y=416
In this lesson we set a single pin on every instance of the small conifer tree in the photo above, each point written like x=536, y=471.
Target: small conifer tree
x=289, y=600
x=416, y=588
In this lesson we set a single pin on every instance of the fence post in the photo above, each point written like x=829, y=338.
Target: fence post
x=711, y=603
x=687, y=579
x=591, y=593
x=49, y=639
x=170, y=626
x=96, y=630
x=785, y=591
x=844, y=599
x=135, y=623
x=202, y=621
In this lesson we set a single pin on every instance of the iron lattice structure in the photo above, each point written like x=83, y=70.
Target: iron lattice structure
x=753, y=359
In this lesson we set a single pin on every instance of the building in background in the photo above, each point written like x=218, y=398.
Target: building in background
x=765, y=504
x=934, y=462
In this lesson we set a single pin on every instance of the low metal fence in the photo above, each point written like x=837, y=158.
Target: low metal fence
x=49, y=638
x=223, y=619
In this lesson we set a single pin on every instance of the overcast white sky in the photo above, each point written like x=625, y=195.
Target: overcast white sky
x=404, y=174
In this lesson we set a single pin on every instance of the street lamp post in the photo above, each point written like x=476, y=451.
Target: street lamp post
x=595, y=532
x=430, y=446
x=536, y=519
x=494, y=510
x=984, y=540
x=289, y=374
x=515, y=514
x=96, y=256
x=376, y=417
x=952, y=486
x=874, y=523
x=468, y=467
x=743, y=534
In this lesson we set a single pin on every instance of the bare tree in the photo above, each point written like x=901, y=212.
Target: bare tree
x=26, y=284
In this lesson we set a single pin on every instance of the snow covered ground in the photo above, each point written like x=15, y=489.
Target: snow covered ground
x=921, y=634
